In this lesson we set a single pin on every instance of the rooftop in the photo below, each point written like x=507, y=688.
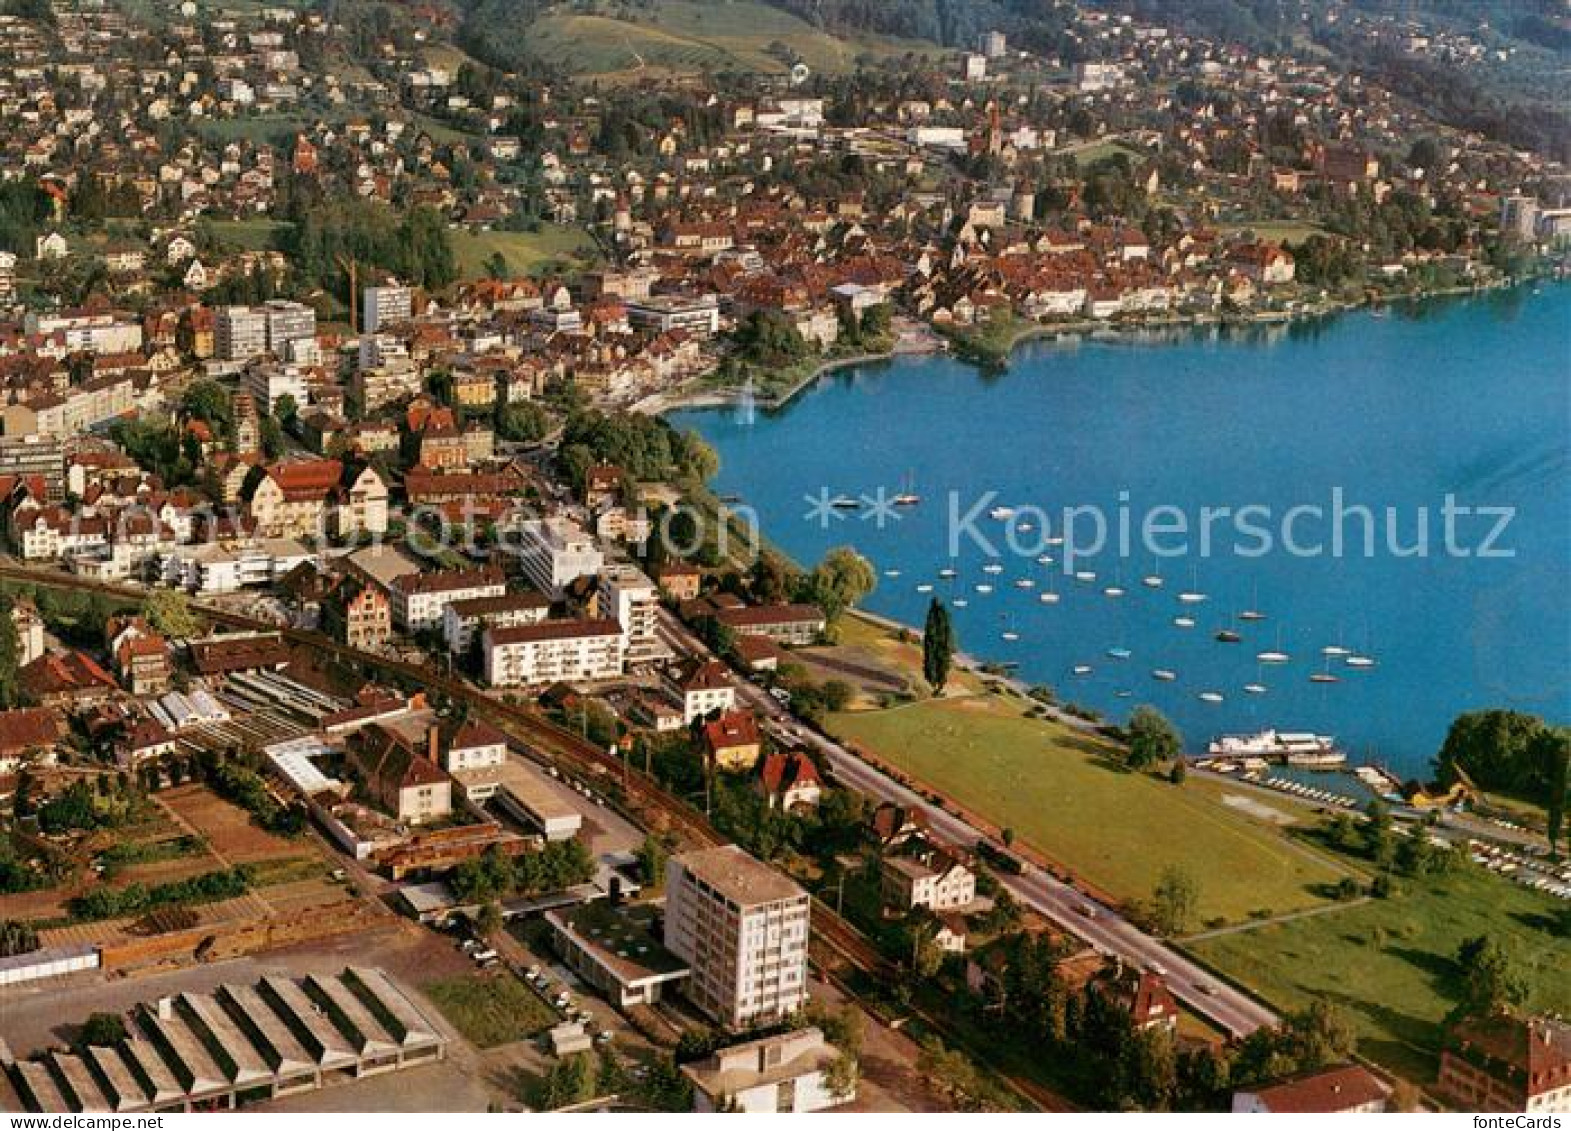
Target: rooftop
x=739, y=877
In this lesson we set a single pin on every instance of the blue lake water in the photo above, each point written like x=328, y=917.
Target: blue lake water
x=1463, y=397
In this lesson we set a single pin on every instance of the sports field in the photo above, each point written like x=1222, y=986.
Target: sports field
x=1061, y=793
x=527, y=253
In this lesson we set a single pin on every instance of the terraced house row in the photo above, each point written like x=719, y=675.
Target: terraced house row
x=239, y=1044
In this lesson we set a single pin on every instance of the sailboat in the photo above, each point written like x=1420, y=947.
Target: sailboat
x=1210, y=697
x=984, y=588
x=1081, y=669
x=1228, y=635
x=1024, y=583
x=960, y=602
x=925, y=587
x=1255, y=689
x=1274, y=655
x=1192, y=595
x=1163, y=675
x=946, y=573
x=1117, y=588
x=1184, y=622
x=907, y=497
x=891, y=573
x=1044, y=559
x=844, y=503
x=1085, y=575
x=1119, y=653
x=992, y=568
x=1324, y=677
x=1361, y=662
x=1253, y=613
x=1153, y=580
x=1009, y=634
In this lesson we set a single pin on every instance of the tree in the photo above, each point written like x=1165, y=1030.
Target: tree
x=938, y=646
x=771, y=579
x=169, y=611
x=652, y=861
x=1153, y=740
x=1175, y=899
x=101, y=1029
x=837, y=694
x=489, y=919
x=1490, y=979
x=842, y=579
x=10, y=656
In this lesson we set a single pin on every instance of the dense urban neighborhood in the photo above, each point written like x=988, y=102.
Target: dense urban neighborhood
x=394, y=715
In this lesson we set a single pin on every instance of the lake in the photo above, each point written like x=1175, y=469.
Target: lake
x=1391, y=418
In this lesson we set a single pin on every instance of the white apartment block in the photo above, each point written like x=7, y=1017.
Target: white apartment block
x=555, y=552
x=632, y=600
x=92, y=333
x=420, y=599
x=530, y=655
x=382, y=305
x=742, y=927
x=463, y=620
x=239, y=333
x=269, y=381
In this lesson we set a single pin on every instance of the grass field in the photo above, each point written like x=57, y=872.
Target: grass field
x=527, y=253
x=252, y=235
x=1090, y=153
x=1277, y=231
x=490, y=1009
x=685, y=37
x=1389, y=963
x=1059, y=792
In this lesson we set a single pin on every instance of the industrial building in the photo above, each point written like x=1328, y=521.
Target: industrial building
x=239, y=1044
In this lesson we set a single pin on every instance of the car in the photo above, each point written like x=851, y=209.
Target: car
x=484, y=956
x=1087, y=910
x=1158, y=969
x=1205, y=988
x=603, y=1037
x=471, y=946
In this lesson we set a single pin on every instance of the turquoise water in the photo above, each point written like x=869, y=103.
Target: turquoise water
x=1466, y=397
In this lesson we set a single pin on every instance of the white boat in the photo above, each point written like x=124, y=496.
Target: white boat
x=908, y=497
x=1152, y=581
x=1251, y=614
x=1122, y=693
x=1184, y=622
x=1210, y=697
x=1190, y=597
x=1048, y=597
x=1081, y=669
x=1085, y=575
x=961, y=602
x=1324, y=677
x=1293, y=748
x=1024, y=583
x=1053, y=540
x=1010, y=635
x=1001, y=513
x=1335, y=650
x=1362, y=662
x=993, y=567
x=1273, y=657
x=1254, y=689
x=844, y=502
x=1119, y=653
x=1114, y=591
x=1164, y=675
x=1026, y=527
x=891, y=573
x=946, y=573
x=984, y=588
x=1044, y=559
x=925, y=587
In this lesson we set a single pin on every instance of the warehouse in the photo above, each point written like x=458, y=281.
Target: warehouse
x=238, y=1045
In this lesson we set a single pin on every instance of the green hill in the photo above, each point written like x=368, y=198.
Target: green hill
x=663, y=38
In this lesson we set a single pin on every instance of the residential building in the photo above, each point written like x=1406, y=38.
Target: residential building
x=787, y=1072
x=420, y=599
x=784, y=624
x=1505, y=1062
x=1345, y=1089
x=614, y=949
x=28, y=735
x=462, y=621
x=382, y=305
x=934, y=877
x=554, y=552
x=742, y=927
x=403, y=780
x=367, y=617
x=473, y=746
x=732, y=742
x=789, y=781
x=704, y=687
x=529, y=655
x=628, y=596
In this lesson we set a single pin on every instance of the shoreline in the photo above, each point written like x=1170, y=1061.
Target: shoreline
x=1105, y=330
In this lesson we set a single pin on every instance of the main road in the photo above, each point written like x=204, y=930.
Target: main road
x=1100, y=926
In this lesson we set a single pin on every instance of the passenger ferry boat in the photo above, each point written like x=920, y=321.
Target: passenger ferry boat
x=1310, y=751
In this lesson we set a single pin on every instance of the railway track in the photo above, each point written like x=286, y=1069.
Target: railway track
x=641, y=795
